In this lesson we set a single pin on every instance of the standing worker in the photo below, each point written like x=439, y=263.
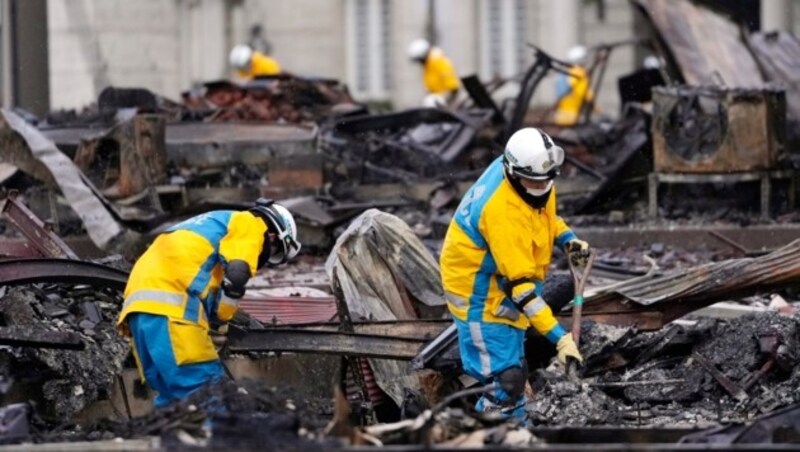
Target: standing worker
x=439, y=75
x=572, y=90
x=494, y=262
x=193, y=275
x=250, y=63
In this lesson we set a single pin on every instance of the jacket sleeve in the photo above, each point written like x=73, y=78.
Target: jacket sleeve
x=563, y=233
x=511, y=245
x=244, y=240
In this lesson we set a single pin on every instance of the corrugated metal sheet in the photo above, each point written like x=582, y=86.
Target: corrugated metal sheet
x=289, y=310
x=705, y=44
x=713, y=282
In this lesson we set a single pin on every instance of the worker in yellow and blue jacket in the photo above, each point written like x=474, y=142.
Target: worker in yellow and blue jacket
x=494, y=261
x=439, y=76
x=572, y=89
x=250, y=63
x=192, y=276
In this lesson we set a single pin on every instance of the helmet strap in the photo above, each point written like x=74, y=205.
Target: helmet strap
x=537, y=202
x=266, y=250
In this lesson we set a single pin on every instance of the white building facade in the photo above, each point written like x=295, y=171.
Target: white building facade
x=169, y=45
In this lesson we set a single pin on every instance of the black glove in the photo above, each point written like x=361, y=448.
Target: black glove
x=578, y=252
x=235, y=280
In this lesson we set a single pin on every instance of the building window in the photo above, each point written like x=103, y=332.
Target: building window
x=369, y=44
x=503, y=32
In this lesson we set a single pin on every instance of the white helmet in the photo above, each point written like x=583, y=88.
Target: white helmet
x=531, y=154
x=434, y=101
x=652, y=62
x=418, y=49
x=281, y=222
x=240, y=56
x=576, y=54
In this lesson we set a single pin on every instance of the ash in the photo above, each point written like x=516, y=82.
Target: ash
x=246, y=414
x=654, y=379
x=61, y=383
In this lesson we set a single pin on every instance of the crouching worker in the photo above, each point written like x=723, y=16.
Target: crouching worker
x=494, y=262
x=193, y=275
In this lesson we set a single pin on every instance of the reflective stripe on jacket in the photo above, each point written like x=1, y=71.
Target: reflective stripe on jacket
x=495, y=237
x=180, y=274
x=439, y=75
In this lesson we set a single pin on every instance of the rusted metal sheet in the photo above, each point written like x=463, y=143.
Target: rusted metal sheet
x=705, y=45
x=778, y=53
x=651, y=303
x=289, y=310
x=18, y=248
x=290, y=173
x=731, y=130
x=31, y=271
x=279, y=98
x=35, y=230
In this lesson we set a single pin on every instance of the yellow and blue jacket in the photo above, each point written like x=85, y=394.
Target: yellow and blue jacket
x=572, y=90
x=496, y=237
x=260, y=65
x=439, y=75
x=180, y=274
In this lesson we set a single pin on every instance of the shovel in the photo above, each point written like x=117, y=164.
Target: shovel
x=577, y=308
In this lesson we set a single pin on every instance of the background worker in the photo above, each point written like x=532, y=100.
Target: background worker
x=250, y=63
x=572, y=90
x=193, y=276
x=439, y=76
x=494, y=261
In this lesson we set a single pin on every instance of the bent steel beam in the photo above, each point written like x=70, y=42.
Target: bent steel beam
x=35, y=230
x=322, y=342
x=29, y=271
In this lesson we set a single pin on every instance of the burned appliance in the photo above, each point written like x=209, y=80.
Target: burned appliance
x=718, y=130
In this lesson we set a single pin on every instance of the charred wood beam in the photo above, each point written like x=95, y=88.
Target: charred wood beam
x=30, y=271
x=18, y=336
x=294, y=340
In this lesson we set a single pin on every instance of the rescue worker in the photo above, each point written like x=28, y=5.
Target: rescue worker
x=250, y=63
x=193, y=276
x=494, y=260
x=572, y=90
x=439, y=76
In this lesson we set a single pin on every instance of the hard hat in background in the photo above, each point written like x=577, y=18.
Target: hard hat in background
x=434, y=101
x=531, y=154
x=240, y=56
x=280, y=222
x=576, y=54
x=418, y=49
x=652, y=62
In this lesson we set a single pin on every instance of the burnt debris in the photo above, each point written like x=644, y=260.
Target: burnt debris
x=672, y=377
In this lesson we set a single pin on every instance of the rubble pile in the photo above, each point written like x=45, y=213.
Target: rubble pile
x=61, y=383
x=409, y=146
x=223, y=415
x=680, y=376
x=279, y=99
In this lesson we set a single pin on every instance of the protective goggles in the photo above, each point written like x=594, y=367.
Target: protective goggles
x=555, y=158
